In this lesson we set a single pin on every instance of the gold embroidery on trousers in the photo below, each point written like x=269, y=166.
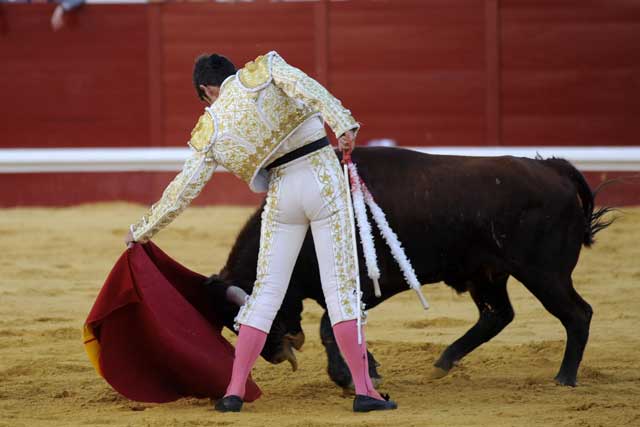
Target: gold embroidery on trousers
x=334, y=192
x=266, y=240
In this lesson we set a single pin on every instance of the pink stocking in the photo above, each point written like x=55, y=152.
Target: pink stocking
x=248, y=348
x=355, y=354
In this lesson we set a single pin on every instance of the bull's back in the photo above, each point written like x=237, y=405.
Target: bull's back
x=447, y=209
x=405, y=180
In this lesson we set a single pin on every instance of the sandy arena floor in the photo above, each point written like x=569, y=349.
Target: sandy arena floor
x=53, y=262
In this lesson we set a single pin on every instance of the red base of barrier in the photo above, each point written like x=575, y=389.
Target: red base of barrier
x=64, y=189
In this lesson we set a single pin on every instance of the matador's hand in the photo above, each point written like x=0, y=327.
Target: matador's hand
x=128, y=240
x=347, y=141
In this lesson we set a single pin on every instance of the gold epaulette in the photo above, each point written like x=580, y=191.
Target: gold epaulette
x=256, y=73
x=203, y=132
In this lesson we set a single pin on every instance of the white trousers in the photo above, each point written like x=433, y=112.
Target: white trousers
x=309, y=191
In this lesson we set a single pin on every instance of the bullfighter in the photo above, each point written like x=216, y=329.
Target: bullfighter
x=265, y=124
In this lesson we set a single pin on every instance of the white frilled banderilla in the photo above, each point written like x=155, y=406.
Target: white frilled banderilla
x=359, y=195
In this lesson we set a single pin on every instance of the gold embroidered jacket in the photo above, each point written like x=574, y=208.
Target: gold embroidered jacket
x=257, y=110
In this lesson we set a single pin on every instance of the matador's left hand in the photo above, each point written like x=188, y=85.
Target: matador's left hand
x=347, y=141
x=128, y=240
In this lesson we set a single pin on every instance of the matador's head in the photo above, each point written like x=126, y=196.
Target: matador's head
x=209, y=71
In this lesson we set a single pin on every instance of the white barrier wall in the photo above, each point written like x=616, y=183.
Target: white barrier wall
x=160, y=159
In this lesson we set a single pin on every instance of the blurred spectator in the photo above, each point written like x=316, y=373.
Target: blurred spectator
x=57, y=19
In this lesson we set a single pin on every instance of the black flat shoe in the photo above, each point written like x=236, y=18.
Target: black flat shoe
x=229, y=404
x=366, y=404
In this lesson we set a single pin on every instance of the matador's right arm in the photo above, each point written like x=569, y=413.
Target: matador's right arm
x=185, y=187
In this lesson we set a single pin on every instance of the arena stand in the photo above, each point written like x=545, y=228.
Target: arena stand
x=102, y=109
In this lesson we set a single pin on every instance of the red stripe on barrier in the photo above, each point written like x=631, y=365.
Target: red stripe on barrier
x=64, y=189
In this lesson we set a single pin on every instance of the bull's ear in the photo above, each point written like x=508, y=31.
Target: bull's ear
x=214, y=279
x=224, y=290
x=216, y=288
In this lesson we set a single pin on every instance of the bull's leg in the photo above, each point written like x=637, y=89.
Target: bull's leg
x=492, y=300
x=336, y=366
x=560, y=298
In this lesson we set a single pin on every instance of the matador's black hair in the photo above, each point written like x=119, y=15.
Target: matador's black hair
x=211, y=70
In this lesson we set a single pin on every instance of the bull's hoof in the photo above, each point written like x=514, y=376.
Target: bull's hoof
x=348, y=391
x=377, y=381
x=566, y=380
x=437, y=373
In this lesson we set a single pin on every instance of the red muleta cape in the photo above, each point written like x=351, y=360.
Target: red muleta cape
x=153, y=334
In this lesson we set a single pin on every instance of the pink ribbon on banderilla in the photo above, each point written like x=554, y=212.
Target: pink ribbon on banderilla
x=360, y=195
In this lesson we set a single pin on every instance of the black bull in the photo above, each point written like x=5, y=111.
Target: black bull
x=468, y=221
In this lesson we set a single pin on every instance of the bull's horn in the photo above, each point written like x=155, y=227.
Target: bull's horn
x=289, y=355
x=296, y=340
x=236, y=295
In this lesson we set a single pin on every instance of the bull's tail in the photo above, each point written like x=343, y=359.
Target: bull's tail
x=595, y=218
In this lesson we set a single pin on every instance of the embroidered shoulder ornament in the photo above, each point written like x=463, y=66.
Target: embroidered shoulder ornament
x=256, y=74
x=202, y=133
